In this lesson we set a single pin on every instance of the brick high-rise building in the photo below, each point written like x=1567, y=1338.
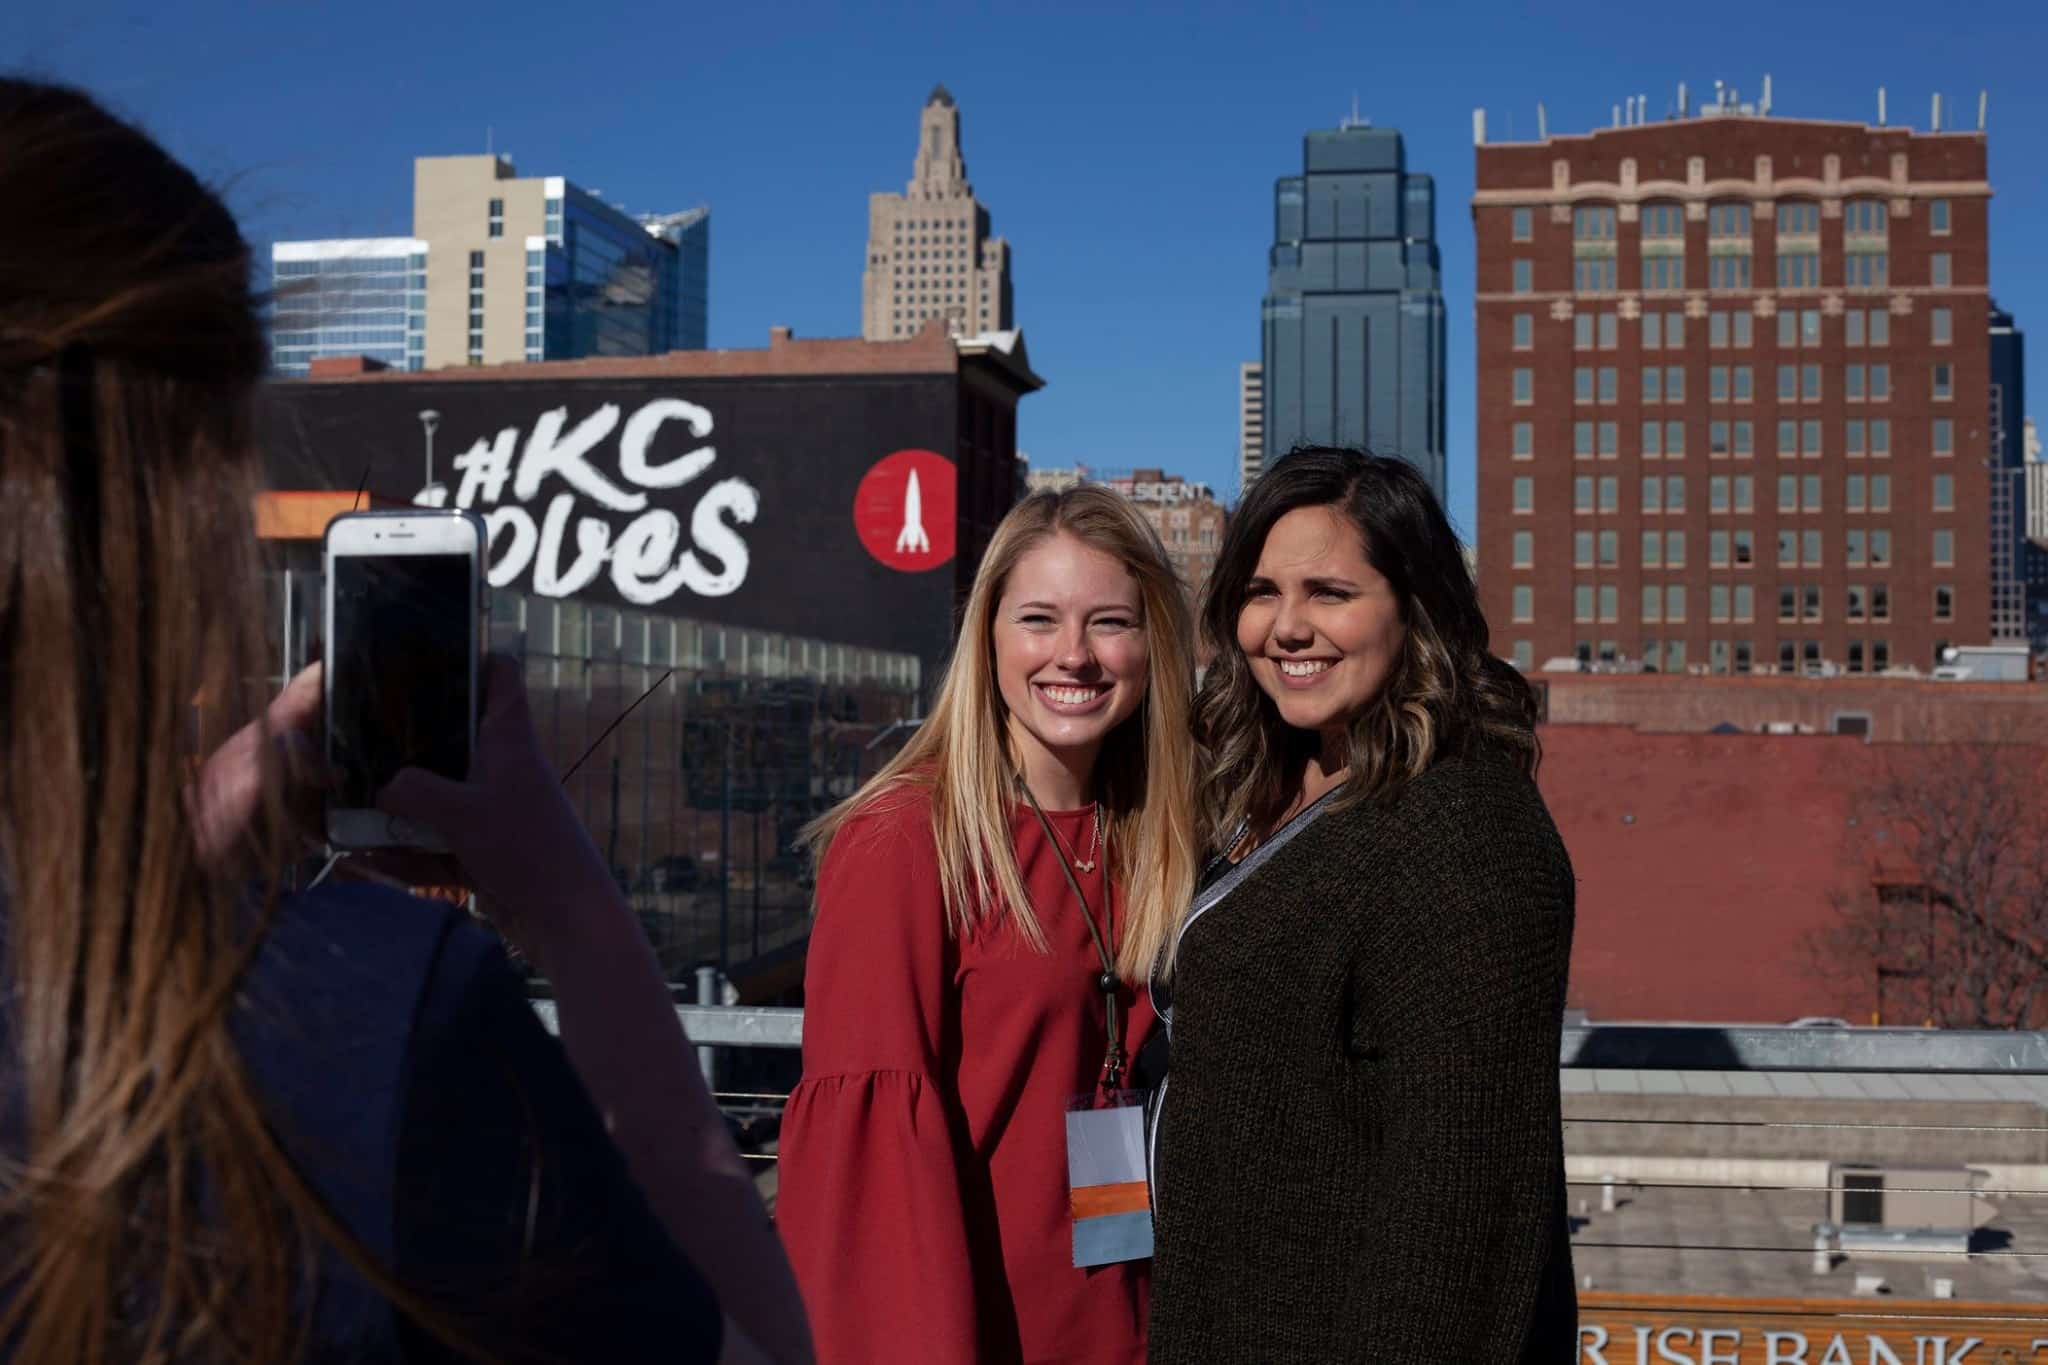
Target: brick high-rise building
x=1732, y=394
x=929, y=250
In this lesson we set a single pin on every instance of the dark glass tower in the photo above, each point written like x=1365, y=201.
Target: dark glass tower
x=1353, y=318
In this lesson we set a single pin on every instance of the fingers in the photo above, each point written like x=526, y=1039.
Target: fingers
x=426, y=799
x=298, y=706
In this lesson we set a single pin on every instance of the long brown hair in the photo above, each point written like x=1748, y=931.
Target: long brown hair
x=1447, y=693
x=1145, y=774
x=153, y=1215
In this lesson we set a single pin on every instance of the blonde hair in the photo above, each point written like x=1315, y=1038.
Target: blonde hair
x=1145, y=774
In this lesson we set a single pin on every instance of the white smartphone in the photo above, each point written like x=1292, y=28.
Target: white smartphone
x=404, y=607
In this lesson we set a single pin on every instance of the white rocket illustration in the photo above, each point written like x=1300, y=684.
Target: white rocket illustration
x=912, y=537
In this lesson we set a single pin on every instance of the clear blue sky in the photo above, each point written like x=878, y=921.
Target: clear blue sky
x=1128, y=156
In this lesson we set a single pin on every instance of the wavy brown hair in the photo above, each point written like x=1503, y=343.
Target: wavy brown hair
x=1446, y=694
x=150, y=1213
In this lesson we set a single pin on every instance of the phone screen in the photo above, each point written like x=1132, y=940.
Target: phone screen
x=400, y=661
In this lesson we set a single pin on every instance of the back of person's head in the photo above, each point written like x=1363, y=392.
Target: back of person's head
x=151, y=1215
x=1447, y=693
x=1145, y=774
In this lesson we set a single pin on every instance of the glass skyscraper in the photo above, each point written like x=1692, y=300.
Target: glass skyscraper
x=601, y=283
x=347, y=297
x=1353, y=319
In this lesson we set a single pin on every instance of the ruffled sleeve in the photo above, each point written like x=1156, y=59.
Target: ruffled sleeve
x=870, y=1201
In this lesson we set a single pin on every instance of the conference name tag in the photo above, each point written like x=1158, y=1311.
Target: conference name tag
x=1111, y=1200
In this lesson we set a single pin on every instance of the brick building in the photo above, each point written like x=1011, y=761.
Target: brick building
x=1732, y=394
x=1881, y=710
x=1186, y=515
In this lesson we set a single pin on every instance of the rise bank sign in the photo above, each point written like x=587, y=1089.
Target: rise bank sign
x=1734, y=1346
x=590, y=522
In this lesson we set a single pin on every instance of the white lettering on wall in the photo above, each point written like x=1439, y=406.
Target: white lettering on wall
x=565, y=548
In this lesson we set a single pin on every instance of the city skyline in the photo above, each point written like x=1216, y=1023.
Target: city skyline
x=1137, y=192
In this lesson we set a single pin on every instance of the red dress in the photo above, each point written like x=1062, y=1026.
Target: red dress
x=923, y=1189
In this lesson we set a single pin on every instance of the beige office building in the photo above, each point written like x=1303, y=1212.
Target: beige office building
x=929, y=250
x=1251, y=423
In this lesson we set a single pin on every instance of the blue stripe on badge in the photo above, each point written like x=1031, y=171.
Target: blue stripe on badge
x=1113, y=1237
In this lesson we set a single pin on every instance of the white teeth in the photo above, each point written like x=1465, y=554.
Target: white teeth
x=1303, y=668
x=1072, y=696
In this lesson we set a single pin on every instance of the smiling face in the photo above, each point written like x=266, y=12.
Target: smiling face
x=1071, y=654
x=1320, y=626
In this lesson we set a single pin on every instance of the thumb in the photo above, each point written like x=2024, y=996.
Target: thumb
x=429, y=799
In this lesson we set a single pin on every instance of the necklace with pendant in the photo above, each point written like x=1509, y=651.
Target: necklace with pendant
x=1094, y=841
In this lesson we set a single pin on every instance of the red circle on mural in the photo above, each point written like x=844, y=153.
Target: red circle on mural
x=903, y=511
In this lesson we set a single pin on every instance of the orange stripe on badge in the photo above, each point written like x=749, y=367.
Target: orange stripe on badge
x=1095, y=1201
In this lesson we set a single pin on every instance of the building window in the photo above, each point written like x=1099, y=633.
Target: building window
x=1939, y=270
x=1524, y=440
x=1880, y=602
x=1944, y=602
x=1674, y=492
x=1523, y=276
x=1745, y=493
x=1941, y=325
x=1864, y=217
x=1717, y=602
x=1717, y=493
x=1864, y=269
x=1525, y=386
x=1745, y=601
x=1717, y=383
x=1582, y=602
x=1674, y=384
x=1810, y=483
x=1880, y=437
x=1944, y=383
x=1610, y=602
x=1525, y=602
x=1812, y=544
x=1788, y=439
x=1674, y=440
x=1798, y=269
x=1663, y=273
x=1674, y=602
x=1525, y=549
x=1582, y=332
x=1858, y=606
x=1525, y=494
x=1880, y=492
x=1582, y=549
x=1944, y=547
x=1653, y=494
x=1653, y=549
x=1745, y=552
x=1582, y=383
x=1524, y=224
x=1854, y=494
x=1674, y=548
x=1788, y=493
x=1852, y=438
x=497, y=218
x=1809, y=439
x=1745, y=439
x=1798, y=218
x=1788, y=603
x=1880, y=656
x=1608, y=384
x=1653, y=384
x=1937, y=217
x=1944, y=492
x=1653, y=602
x=1582, y=440
x=1582, y=493
x=1728, y=271
x=1880, y=383
x=1610, y=493
x=1610, y=440
x=1610, y=549
x=1610, y=329
x=1728, y=220
x=1717, y=330
x=1717, y=549
x=1593, y=223
x=1525, y=332
x=1525, y=655
x=1853, y=548
x=1788, y=549
x=1593, y=275
x=1809, y=602
x=1944, y=436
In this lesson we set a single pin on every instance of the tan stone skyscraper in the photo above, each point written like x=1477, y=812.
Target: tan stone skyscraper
x=929, y=252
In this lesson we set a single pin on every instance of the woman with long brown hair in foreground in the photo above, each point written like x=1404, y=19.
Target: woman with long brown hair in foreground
x=986, y=906
x=240, y=1126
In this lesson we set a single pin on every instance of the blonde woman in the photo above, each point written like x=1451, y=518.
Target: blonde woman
x=985, y=905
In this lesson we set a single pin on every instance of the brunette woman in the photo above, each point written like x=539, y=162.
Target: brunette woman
x=236, y=1125
x=984, y=905
x=1358, y=1153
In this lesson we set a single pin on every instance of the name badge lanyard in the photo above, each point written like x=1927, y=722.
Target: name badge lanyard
x=1106, y=982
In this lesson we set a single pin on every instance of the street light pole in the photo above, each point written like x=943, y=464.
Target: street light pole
x=429, y=419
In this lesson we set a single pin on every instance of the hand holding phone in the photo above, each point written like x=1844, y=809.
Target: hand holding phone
x=538, y=876
x=403, y=614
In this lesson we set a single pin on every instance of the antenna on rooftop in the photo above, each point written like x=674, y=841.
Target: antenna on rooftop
x=1683, y=106
x=1880, y=106
x=1983, y=107
x=1763, y=107
x=1937, y=111
x=1353, y=120
x=1542, y=124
